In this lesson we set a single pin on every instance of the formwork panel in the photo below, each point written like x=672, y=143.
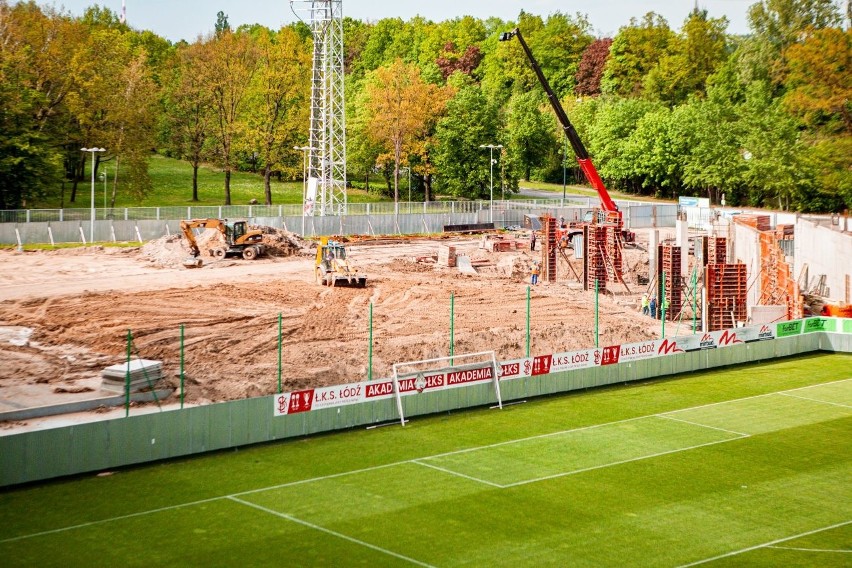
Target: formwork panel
x=727, y=288
x=548, y=248
x=669, y=263
x=717, y=250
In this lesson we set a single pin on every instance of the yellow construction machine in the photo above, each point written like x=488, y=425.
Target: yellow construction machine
x=238, y=240
x=333, y=268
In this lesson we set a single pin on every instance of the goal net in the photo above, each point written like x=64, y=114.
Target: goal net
x=414, y=377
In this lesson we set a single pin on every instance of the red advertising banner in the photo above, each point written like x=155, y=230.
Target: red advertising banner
x=542, y=365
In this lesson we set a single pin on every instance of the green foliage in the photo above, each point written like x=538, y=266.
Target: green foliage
x=608, y=139
x=531, y=128
x=679, y=111
x=634, y=52
x=470, y=122
x=691, y=58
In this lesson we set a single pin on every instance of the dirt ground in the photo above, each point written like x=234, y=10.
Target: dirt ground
x=65, y=315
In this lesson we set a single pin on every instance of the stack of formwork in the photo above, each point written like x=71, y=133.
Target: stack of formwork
x=134, y=376
x=614, y=248
x=548, y=249
x=670, y=287
x=727, y=287
x=717, y=250
x=594, y=262
x=759, y=222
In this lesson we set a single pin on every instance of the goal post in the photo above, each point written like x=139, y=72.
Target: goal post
x=459, y=370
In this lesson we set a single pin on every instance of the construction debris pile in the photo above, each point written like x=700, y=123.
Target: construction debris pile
x=170, y=251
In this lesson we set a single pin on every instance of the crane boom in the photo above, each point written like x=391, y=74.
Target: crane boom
x=580, y=151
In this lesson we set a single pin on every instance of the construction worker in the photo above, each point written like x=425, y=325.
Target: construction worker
x=536, y=269
x=532, y=240
x=645, y=303
x=665, y=308
x=653, y=306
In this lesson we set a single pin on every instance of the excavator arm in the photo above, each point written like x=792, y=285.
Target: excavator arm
x=607, y=204
x=187, y=228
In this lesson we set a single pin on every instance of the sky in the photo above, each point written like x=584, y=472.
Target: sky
x=187, y=19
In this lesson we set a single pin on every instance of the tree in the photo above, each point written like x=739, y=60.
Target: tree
x=400, y=107
x=531, y=131
x=778, y=24
x=819, y=80
x=781, y=22
x=450, y=61
x=634, y=52
x=114, y=103
x=590, y=71
x=692, y=57
x=279, y=101
x=615, y=121
x=558, y=46
x=222, y=26
x=706, y=139
x=187, y=101
x=776, y=170
x=228, y=66
x=470, y=122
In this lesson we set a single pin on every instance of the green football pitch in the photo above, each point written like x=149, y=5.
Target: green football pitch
x=743, y=466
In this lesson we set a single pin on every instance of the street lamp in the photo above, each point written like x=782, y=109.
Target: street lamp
x=104, y=174
x=92, y=223
x=491, y=148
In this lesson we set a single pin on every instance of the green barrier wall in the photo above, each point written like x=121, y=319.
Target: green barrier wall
x=45, y=454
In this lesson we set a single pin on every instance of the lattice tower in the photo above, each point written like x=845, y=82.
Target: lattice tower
x=327, y=137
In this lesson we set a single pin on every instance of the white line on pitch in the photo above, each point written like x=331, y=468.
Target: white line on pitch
x=536, y=437
x=601, y=466
x=321, y=478
x=374, y=468
x=766, y=544
x=756, y=396
x=110, y=520
x=329, y=531
x=667, y=417
x=799, y=549
x=457, y=474
x=815, y=400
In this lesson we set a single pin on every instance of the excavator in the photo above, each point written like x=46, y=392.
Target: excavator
x=333, y=268
x=239, y=240
x=609, y=210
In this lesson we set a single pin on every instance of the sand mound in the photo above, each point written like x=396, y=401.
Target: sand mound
x=172, y=250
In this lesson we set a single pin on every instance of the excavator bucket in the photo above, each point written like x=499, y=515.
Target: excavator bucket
x=192, y=262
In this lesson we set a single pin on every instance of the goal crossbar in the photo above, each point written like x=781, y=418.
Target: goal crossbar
x=425, y=372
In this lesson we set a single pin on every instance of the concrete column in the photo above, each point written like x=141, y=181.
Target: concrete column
x=653, y=250
x=682, y=240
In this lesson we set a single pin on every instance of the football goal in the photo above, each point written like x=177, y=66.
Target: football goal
x=415, y=377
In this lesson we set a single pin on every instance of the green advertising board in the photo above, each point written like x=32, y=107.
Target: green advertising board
x=788, y=328
x=813, y=325
x=847, y=325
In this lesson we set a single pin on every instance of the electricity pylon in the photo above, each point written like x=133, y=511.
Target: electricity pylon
x=327, y=137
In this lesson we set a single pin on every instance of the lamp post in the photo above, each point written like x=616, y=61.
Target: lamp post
x=104, y=173
x=491, y=148
x=92, y=214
